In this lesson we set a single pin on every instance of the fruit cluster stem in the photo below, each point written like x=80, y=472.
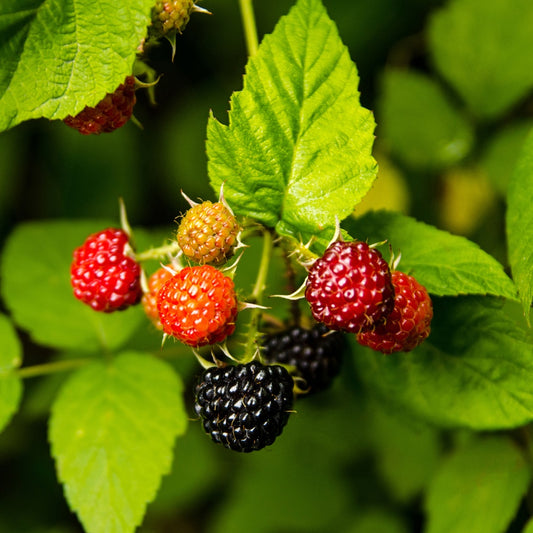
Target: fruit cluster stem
x=161, y=252
x=257, y=293
x=250, y=29
x=51, y=368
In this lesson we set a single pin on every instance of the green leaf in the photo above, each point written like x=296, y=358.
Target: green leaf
x=407, y=461
x=528, y=527
x=446, y=264
x=475, y=369
x=420, y=124
x=502, y=152
x=308, y=458
x=297, y=151
x=482, y=49
x=378, y=520
x=10, y=383
x=57, y=56
x=478, y=488
x=112, y=433
x=519, y=222
x=195, y=471
x=36, y=287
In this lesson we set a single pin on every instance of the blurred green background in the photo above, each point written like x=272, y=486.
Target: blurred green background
x=336, y=469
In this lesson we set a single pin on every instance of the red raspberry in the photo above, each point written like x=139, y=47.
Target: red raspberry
x=349, y=288
x=198, y=306
x=208, y=232
x=102, y=275
x=149, y=299
x=109, y=114
x=409, y=322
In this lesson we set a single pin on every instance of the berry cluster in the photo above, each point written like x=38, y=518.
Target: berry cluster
x=244, y=406
x=351, y=288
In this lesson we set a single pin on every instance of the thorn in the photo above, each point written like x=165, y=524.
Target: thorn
x=175, y=260
x=191, y=203
x=169, y=269
x=163, y=340
x=147, y=84
x=240, y=244
x=230, y=269
x=223, y=200
x=125, y=225
x=298, y=294
x=171, y=38
x=224, y=347
x=197, y=9
x=376, y=244
x=203, y=362
x=249, y=305
x=144, y=282
x=337, y=236
x=137, y=122
x=395, y=261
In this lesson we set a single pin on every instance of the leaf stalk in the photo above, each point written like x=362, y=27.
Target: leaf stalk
x=250, y=28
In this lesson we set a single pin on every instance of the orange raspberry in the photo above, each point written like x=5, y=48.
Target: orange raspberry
x=149, y=299
x=198, y=306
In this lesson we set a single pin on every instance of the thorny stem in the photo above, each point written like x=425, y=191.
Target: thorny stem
x=159, y=253
x=257, y=293
x=51, y=368
x=291, y=287
x=250, y=29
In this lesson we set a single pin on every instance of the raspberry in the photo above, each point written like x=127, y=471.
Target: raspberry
x=244, y=407
x=316, y=353
x=198, y=306
x=109, y=114
x=171, y=16
x=409, y=322
x=208, y=232
x=350, y=288
x=102, y=275
x=149, y=299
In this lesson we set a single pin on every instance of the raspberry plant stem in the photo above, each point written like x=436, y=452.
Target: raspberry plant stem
x=291, y=287
x=250, y=29
x=51, y=368
x=161, y=252
x=257, y=294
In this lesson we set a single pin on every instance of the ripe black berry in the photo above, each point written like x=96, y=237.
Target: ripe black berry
x=244, y=407
x=316, y=353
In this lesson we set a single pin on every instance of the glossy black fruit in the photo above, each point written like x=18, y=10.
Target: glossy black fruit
x=244, y=407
